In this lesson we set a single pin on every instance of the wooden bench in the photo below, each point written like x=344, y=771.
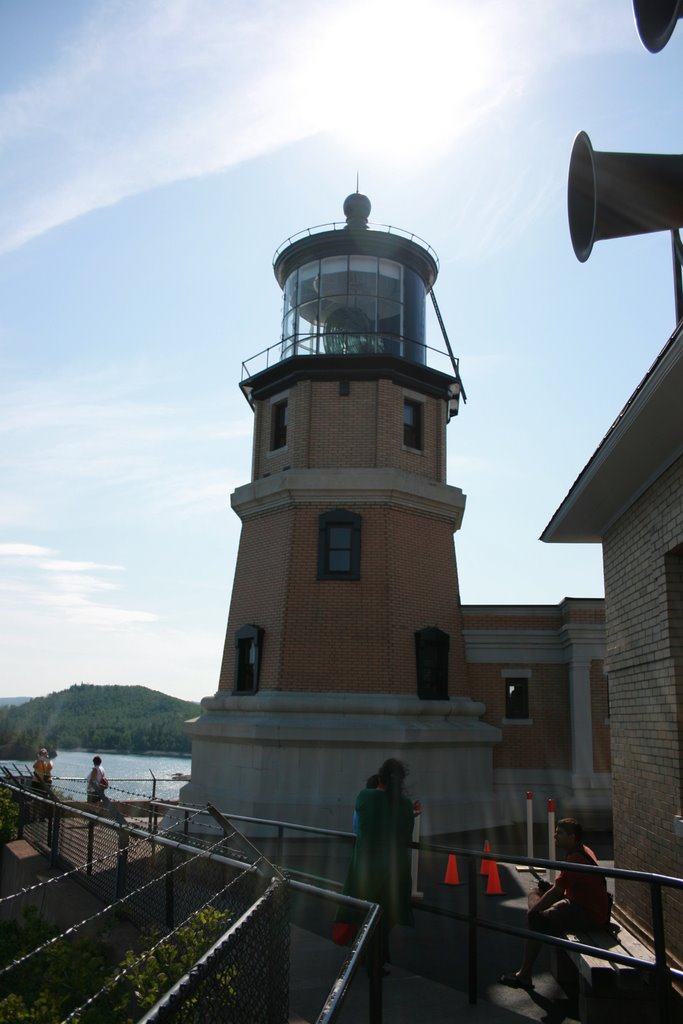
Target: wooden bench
x=609, y=993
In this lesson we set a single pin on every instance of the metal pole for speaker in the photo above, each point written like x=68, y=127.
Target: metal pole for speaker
x=677, y=252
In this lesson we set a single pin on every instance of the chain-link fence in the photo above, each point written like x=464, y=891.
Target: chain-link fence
x=221, y=912
x=243, y=977
x=213, y=914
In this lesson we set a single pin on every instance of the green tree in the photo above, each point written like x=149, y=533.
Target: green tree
x=116, y=718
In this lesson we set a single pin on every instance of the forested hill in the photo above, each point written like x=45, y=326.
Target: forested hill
x=112, y=718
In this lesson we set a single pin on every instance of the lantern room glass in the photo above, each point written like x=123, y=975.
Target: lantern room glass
x=351, y=305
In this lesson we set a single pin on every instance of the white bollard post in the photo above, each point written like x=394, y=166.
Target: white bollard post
x=551, y=837
x=417, y=810
x=529, y=832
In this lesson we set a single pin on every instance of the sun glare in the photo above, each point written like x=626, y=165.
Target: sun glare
x=399, y=83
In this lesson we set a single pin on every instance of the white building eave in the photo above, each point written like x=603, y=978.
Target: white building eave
x=644, y=440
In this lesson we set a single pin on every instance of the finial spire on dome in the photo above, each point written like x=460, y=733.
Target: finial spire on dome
x=357, y=210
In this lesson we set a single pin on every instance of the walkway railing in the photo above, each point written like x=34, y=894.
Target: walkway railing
x=164, y=883
x=663, y=972
x=148, y=787
x=199, y=832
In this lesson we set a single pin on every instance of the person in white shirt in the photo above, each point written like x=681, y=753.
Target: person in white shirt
x=97, y=781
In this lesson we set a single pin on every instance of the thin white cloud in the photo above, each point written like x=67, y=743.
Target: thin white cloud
x=149, y=93
x=153, y=93
x=67, y=590
x=64, y=565
x=9, y=550
x=61, y=448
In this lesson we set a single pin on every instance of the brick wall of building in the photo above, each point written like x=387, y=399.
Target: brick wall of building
x=356, y=636
x=361, y=429
x=259, y=590
x=537, y=639
x=543, y=741
x=602, y=759
x=644, y=668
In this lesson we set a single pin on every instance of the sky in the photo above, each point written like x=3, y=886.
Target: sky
x=154, y=154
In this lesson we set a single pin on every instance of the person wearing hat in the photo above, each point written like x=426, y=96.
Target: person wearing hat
x=42, y=770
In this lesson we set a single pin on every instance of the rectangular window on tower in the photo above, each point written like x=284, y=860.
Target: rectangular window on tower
x=412, y=424
x=516, y=698
x=278, y=430
x=339, y=545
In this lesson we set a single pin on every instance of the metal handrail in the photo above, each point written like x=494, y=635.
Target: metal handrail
x=337, y=225
x=365, y=945
x=273, y=353
x=658, y=966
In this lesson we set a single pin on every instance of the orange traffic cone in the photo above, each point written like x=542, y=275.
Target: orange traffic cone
x=485, y=864
x=493, y=886
x=451, y=877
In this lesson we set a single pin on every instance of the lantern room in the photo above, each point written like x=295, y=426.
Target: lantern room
x=352, y=290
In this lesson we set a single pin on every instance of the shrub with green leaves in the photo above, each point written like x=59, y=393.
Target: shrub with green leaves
x=62, y=977
x=9, y=816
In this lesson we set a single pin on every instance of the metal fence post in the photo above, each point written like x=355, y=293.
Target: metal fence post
x=53, y=840
x=279, y=856
x=22, y=815
x=662, y=977
x=121, y=865
x=169, y=887
x=472, y=929
x=375, y=964
x=91, y=846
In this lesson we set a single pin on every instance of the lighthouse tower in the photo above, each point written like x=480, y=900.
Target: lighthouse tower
x=344, y=642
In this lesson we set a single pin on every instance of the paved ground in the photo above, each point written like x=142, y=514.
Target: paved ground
x=428, y=979
x=410, y=998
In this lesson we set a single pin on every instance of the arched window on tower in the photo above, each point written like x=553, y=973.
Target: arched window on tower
x=431, y=654
x=248, y=650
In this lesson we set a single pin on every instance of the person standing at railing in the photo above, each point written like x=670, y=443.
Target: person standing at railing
x=577, y=901
x=380, y=865
x=42, y=770
x=97, y=781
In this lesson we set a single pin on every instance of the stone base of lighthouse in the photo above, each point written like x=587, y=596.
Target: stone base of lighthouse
x=302, y=757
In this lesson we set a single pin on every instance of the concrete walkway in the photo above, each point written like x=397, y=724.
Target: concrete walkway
x=429, y=974
x=408, y=998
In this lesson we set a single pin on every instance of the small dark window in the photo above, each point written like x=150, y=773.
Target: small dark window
x=278, y=425
x=431, y=653
x=516, y=698
x=248, y=648
x=339, y=545
x=412, y=424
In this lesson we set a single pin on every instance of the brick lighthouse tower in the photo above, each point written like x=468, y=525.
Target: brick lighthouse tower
x=344, y=643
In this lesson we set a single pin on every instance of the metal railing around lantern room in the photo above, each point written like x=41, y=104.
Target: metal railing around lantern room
x=388, y=229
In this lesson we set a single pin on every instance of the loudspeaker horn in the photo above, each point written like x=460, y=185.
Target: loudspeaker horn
x=612, y=195
x=655, y=21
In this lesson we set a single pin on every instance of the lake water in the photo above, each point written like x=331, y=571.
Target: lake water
x=128, y=774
